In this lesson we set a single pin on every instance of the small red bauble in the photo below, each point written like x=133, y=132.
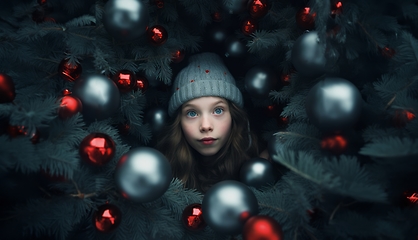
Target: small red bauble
x=336, y=144
x=402, y=117
x=41, y=2
x=125, y=80
x=336, y=8
x=305, y=18
x=157, y=35
x=159, y=3
x=69, y=71
x=217, y=16
x=141, y=83
x=107, y=218
x=387, y=52
x=16, y=131
x=177, y=56
x=257, y=8
x=7, y=89
x=261, y=228
x=69, y=107
x=66, y=92
x=192, y=217
x=97, y=149
x=249, y=26
x=124, y=128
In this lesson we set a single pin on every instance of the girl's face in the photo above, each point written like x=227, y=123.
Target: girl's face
x=206, y=124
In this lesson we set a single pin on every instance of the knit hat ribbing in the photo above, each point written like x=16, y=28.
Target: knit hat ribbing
x=204, y=76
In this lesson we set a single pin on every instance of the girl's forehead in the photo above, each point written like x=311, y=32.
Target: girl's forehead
x=205, y=101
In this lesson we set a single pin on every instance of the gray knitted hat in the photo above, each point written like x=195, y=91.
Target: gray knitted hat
x=205, y=76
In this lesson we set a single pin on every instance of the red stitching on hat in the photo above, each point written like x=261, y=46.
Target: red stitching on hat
x=224, y=73
x=207, y=71
x=192, y=80
x=177, y=89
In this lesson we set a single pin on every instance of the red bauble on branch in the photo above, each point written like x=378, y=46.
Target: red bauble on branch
x=305, y=18
x=262, y=227
x=7, y=89
x=16, y=131
x=69, y=107
x=258, y=8
x=69, y=71
x=107, y=218
x=142, y=83
x=387, y=52
x=217, y=16
x=336, y=8
x=178, y=56
x=125, y=80
x=97, y=149
x=249, y=26
x=336, y=144
x=402, y=117
x=192, y=217
x=157, y=35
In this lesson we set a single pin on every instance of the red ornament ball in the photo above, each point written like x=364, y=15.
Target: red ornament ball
x=178, y=56
x=107, y=218
x=97, y=149
x=258, y=8
x=157, y=35
x=159, y=3
x=249, y=26
x=217, y=16
x=336, y=8
x=305, y=18
x=125, y=80
x=402, y=117
x=262, y=227
x=69, y=71
x=192, y=217
x=142, y=83
x=336, y=144
x=16, y=131
x=69, y=107
x=387, y=52
x=7, y=89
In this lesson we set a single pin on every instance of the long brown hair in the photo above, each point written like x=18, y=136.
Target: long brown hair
x=188, y=165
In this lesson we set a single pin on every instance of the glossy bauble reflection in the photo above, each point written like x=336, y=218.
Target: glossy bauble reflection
x=126, y=20
x=227, y=205
x=107, y=218
x=157, y=118
x=234, y=48
x=308, y=55
x=143, y=174
x=334, y=104
x=7, y=88
x=259, y=81
x=99, y=95
x=258, y=172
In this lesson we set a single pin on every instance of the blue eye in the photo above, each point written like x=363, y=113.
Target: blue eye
x=218, y=111
x=191, y=114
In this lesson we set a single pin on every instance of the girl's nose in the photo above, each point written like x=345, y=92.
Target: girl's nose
x=206, y=124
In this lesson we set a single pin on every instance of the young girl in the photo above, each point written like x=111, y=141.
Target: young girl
x=209, y=137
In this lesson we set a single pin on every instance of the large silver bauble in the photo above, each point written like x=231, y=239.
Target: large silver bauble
x=99, y=95
x=333, y=104
x=126, y=19
x=143, y=174
x=227, y=205
x=308, y=55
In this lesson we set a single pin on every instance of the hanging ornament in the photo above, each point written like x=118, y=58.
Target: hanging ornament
x=178, y=56
x=308, y=55
x=141, y=83
x=17, y=131
x=227, y=205
x=7, y=89
x=99, y=95
x=234, y=6
x=125, y=20
x=157, y=118
x=217, y=36
x=69, y=71
x=69, y=107
x=262, y=227
x=305, y=18
x=259, y=81
x=249, y=26
x=387, y=52
x=158, y=3
x=107, y=218
x=337, y=144
x=157, y=35
x=285, y=79
x=402, y=117
x=336, y=8
x=217, y=16
x=411, y=197
x=258, y=172
x=333, y=104
x=258, y=8
x=125, y=80
x=66, y=92
x=143, y=174
x=97, y=149
x=234, y=48
x=192, y=217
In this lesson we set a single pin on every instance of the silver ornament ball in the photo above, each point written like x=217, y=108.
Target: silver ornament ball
x=143, y=174
x=259, y=81
x=99, y=95
x=126, y=20
x=227, y=205
x=334, y=104
x=258, y=172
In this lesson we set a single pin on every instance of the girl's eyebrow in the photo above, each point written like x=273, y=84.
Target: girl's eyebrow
x=194, y=106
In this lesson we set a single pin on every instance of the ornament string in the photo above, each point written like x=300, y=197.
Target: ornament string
x=80, y=194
